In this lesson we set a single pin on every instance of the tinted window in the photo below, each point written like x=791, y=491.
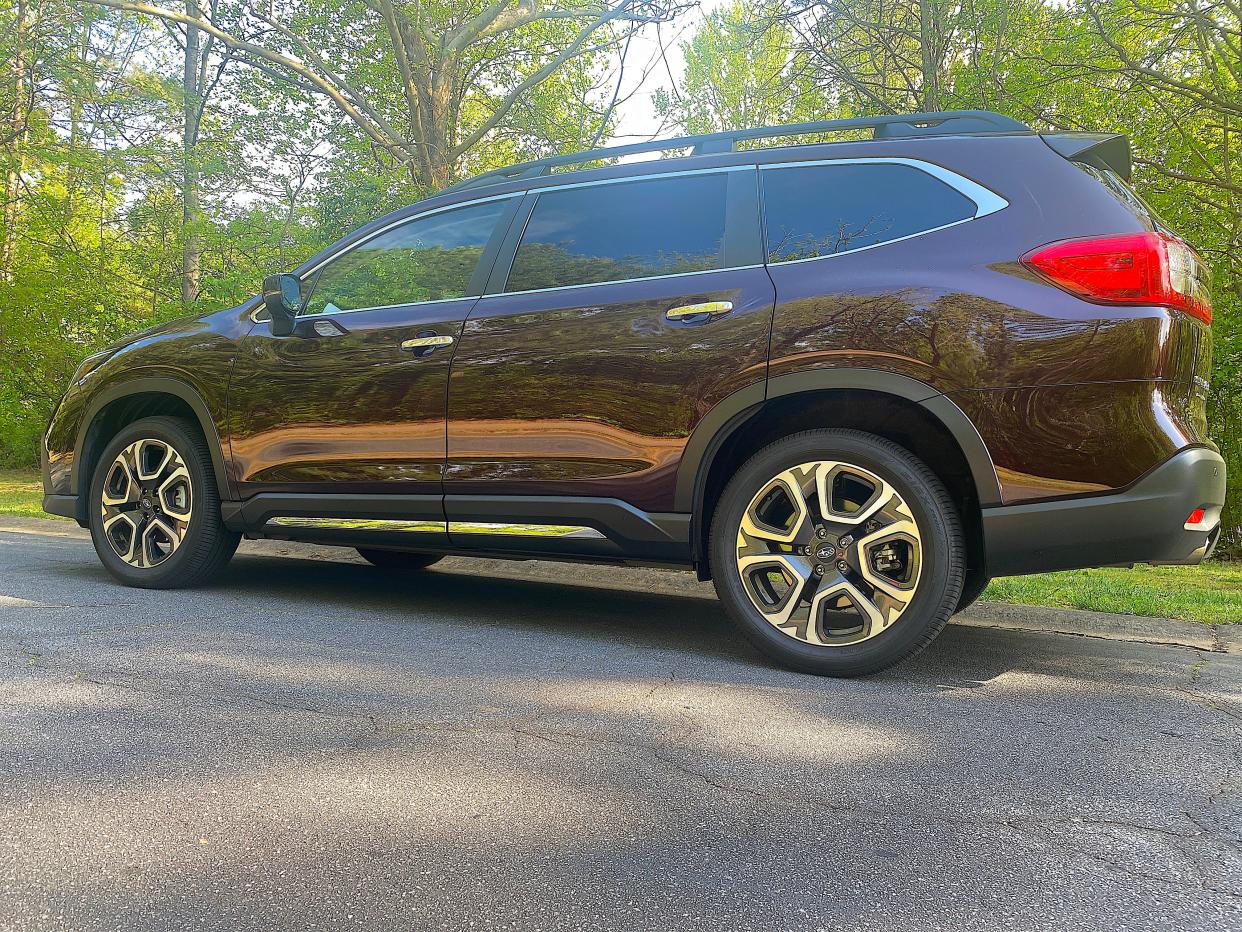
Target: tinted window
x=634, y=229
x=819, y=210
x=427, y=259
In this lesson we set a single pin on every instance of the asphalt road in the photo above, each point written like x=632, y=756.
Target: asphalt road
x=313, y=744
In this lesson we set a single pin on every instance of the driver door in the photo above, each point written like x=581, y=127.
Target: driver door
x=353, y=401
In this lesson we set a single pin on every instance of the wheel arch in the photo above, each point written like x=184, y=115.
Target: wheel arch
x=118, y=405
x=915, y=415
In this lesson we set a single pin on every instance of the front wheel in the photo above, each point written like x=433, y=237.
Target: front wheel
x=837, y=552
x=154, y=507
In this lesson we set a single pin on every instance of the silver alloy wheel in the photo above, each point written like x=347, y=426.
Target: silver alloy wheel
x=829, y=553
x=147, y=503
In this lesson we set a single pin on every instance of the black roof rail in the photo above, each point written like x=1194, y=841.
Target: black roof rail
x=884, y=127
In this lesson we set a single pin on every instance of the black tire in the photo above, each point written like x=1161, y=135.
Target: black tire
x=206, y=546
x=972, y=588
x=398, y=559
x=938, y=587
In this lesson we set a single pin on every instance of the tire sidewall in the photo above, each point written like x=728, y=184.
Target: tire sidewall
x=203, y=497
x=942, y=553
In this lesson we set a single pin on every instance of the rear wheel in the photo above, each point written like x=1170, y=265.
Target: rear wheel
x=837, y=552
x=154, y=507
x=398, y=559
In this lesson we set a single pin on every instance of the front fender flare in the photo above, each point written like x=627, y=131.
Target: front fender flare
x=146, y=385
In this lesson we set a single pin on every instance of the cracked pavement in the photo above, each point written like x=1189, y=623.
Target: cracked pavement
x=321, y=744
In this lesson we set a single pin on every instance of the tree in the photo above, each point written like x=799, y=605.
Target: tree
x=741, y=70
x=423, y=83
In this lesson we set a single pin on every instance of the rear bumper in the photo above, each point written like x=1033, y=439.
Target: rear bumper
x=1146, y=523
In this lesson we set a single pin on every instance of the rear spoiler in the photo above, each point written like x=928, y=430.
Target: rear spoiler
x=1103, y=150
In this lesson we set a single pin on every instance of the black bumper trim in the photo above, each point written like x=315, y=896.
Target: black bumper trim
x=1143, y=524
x=66, y=506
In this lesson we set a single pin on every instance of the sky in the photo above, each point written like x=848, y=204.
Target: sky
x=646, y=70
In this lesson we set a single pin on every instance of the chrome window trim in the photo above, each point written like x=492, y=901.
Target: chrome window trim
x=392, y=226
x=986, y=202
x=623, y=281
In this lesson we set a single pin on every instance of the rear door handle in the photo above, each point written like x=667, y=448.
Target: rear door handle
x=427, y=344
x=710, y=309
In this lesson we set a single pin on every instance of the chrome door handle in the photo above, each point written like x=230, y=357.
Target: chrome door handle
x=427, y=343
x=712, y=309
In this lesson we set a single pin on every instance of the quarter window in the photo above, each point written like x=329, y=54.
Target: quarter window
x=430, y=258
x=821, y=210
x=633, y=229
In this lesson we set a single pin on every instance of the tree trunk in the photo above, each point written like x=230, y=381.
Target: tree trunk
x=928, y=43
x=17, y=130
x=191, y=210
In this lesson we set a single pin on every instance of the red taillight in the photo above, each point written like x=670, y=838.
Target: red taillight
x=1134, y=268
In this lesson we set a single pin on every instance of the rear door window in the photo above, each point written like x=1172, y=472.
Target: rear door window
x=812, y=211
x=625, y=230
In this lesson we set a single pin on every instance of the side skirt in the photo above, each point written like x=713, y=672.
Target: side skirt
x=558, y=527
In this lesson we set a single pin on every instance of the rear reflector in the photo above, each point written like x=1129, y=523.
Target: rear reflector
x=1133, y=268
x=1196, y=517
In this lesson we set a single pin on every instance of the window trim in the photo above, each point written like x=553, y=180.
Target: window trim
x=461, y=205
x=986, y=200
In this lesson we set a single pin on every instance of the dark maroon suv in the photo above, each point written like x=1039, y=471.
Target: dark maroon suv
x=848, y=381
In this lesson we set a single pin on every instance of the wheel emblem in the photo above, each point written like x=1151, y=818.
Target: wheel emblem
x=147, y=503
x=821, y=592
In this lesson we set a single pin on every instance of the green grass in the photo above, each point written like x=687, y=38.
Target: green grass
x=21, y=493
x=1210, y=593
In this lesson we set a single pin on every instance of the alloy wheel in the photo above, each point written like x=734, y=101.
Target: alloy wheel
x=147, y=503
x=829, y=553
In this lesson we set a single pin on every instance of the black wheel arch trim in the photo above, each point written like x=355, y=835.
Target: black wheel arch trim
x=731, y=413
x=146, y=385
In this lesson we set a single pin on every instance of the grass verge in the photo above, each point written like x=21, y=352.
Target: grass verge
x=21, y=493
x=1210, y=593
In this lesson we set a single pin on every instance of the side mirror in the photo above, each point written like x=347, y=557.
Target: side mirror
x=283, y=296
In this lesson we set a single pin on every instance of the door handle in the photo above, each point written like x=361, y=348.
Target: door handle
x=712, y=309
x=428, y=343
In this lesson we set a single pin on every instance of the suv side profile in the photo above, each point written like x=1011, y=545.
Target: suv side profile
x=848, y=381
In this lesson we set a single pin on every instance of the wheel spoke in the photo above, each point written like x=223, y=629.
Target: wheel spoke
x=797, y=573
x=142, y=458
x=122, y=532
x=788, y=484
x=872, y=617
x=173, y=494
x=120, y=487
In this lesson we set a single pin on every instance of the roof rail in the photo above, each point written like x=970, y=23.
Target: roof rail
x=884, y=127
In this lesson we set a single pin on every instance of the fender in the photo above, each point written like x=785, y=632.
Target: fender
x=148, y=385
x=733, y=411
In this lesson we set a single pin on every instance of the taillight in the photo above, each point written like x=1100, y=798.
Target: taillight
x=1133, y=268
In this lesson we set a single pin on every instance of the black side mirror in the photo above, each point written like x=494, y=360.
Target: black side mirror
x=283, y=296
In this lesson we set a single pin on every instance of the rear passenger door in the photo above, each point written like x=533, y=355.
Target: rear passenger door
x=625, y=311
